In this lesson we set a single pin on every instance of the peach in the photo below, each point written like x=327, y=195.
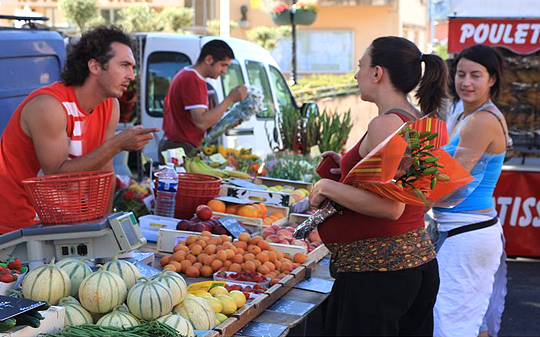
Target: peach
x=314, y=236
x=284, y=232
x=273, y=238
x=267, y=232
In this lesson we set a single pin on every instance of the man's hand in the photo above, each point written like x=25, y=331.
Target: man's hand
x=238, y=94
x=134, y=138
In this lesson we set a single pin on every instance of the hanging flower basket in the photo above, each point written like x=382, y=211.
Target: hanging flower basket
x=301, y=17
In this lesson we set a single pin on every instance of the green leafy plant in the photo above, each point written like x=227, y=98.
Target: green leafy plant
x=213, y=27
x=138, y=18
x=175, y=19
x=81, y=12
x=268, y=37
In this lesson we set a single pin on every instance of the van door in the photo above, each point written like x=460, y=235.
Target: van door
x=163, y=58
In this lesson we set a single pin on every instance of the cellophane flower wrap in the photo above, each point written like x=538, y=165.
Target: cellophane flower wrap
x=411, y=167
x=237, y=114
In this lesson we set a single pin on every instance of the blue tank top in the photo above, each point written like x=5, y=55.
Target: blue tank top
x=486, y=174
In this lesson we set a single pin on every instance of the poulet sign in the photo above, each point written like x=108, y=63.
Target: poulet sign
x=522, y=36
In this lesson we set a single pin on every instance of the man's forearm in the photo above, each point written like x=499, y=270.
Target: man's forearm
x=211, y=117
x=92, y=161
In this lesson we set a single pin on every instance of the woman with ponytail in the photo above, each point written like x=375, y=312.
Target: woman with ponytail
x=382, y=258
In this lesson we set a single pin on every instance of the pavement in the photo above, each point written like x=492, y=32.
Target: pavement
x=522, y=311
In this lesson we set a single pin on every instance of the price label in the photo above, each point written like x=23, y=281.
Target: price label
x=11, y=306
x=232, y=225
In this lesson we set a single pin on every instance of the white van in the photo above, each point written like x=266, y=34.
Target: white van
x=160, y=56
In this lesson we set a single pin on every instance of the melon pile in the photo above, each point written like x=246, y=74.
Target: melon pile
x=116, y=295
x=203, y=255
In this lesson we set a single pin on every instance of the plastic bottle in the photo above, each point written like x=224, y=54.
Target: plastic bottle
x=166, y=191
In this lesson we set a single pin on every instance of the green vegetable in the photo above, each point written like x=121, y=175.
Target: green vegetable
x=26, y=319
x=147, y=329
x=7, y=324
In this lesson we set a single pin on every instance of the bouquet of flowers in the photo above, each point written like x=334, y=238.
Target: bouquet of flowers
x=238, y=113
x=409, y=166
x=130, y=197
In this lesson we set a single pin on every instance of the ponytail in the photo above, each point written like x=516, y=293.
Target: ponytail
x=432, y=89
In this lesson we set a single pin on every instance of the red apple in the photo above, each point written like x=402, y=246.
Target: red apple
x=183, y=225
x=203, y=212
x=201, y=227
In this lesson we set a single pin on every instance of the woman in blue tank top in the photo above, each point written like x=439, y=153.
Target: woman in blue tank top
x=470, y=301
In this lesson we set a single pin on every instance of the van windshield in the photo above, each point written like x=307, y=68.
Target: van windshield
x=259, y=78
x=283, y=94
x=232, y=78
x=162, y=66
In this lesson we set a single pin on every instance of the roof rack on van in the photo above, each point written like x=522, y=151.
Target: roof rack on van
x=29, y=20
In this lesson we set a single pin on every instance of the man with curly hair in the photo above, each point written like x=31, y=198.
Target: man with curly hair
x=69, y=126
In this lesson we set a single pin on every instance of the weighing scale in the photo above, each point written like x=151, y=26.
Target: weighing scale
x=95, y=239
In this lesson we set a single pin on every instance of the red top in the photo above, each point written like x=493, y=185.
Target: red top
x=18, y=158
x=352, y=226
x=187, y=91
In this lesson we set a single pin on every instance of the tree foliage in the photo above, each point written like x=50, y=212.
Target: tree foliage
x=175, y=19
x=213, y=27
x=268, y=37
x=80, y=12
x=137, y=18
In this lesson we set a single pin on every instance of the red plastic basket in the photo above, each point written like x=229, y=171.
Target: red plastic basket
x=194, y=189
x=70, y=197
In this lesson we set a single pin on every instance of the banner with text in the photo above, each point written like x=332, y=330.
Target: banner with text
x=522, y=36
x=517, y=199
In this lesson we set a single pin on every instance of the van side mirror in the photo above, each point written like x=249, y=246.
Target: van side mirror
x=308, y=109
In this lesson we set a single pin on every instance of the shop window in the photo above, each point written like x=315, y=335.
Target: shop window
x=232, y=78
x=259, y=78
x=162, y=67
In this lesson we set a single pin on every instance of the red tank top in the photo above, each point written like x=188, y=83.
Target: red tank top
x=352, y=226
x=18, y=158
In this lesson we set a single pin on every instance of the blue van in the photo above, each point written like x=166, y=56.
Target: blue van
x=29, y=59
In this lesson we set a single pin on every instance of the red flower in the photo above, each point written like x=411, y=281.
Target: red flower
x=280, y=7
x=129, y=195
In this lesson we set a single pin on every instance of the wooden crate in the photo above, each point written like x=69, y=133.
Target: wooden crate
x=168, y=238
x=266, y=197
x=256, y=224
x=296, y=184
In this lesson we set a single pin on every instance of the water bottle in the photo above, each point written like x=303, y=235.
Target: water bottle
x=166, y=191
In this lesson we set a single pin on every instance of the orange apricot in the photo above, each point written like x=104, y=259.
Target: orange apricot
x=257, y=263
x=165, y=260
x=179, y=255
x=240, y=251
x=198, y=265
x=240, y=244
x=201, y=257
x=230, y=253
x=185, y=264
x=244, y=237
x=300, y=258
x=191, y=239
x=225, y=238
x=249, y=257
x=264, y=245
x=235, y=267
x=202, y=243
x=270, y=266
x=253, y=249
x=249, y=265
x=248, y=211
x=192, y=272
x=255, y=240
x=169, y=267
x=263, y=269
x=210, y=249
x=238, y=259
x=263, y=257
x=216, y=264
x=192, y=258
x=286, y=266
x=263, y=209
x=208, y=260
x=196, y=250
x=221, y=255
x=206, y=271
x=227, y=263
x=177, y=265
x=258, y=209
x=272, y=256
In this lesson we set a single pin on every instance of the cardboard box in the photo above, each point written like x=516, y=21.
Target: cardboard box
x=53, y=322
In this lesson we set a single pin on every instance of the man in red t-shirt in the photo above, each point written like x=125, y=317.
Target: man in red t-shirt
x=186, y=115
x=69, y=126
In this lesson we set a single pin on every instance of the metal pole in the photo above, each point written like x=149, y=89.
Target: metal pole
x=293, y=12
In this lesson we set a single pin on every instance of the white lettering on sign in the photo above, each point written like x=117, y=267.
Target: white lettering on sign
x=530, y=208
x=509, y=33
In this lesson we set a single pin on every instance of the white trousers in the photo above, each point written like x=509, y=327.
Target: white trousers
x=472, y=271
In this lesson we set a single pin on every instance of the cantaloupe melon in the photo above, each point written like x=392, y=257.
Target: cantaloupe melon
x=126, y=270
x=198, y=312
x=77, y=271
x=101, y=291
x=149, y=299
x=176, y=284
x=179, y=323
x=46, y=283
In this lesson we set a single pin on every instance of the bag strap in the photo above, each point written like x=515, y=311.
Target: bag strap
x=472, y=227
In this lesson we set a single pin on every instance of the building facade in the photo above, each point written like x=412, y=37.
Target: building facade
x=332, y=44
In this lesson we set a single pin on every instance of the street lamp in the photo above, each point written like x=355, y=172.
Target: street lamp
x=293, y=32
